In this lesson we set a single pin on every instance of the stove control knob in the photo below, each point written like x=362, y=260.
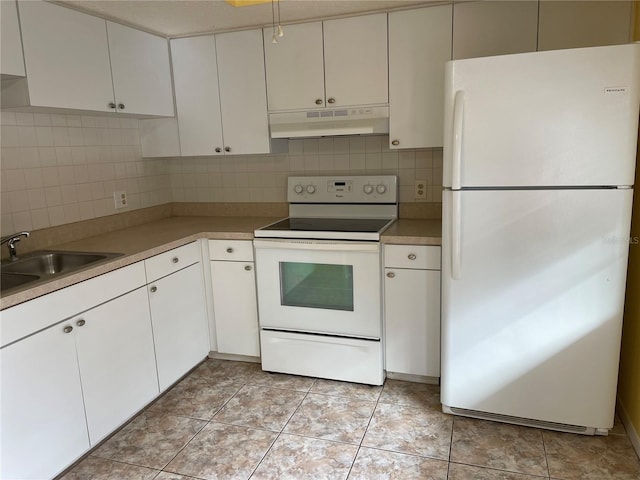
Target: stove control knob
x=311, y=189
x=368, y=188
x=298, y=189
x=381, y=188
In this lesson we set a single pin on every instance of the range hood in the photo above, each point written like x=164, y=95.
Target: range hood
x=330, y=121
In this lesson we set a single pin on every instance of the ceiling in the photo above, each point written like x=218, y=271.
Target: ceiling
x=175, y=18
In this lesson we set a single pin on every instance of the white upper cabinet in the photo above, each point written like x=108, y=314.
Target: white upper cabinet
x=294, y=67
x=334, y=63
x=221, y=98
x=70, y=58
x=355, y=60
x=195, y=77
x=419, y=47
x=11, y=59
x=575, y=24
x=487, y=28
x=67, y=58
x=140, y=70
x=243, y=94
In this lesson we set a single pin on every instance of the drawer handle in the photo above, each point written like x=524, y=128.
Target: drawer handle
x=81, y=322
x=153, y=289
x=229, y=250
x=411, y=256
x=391, y=275
x=175, y=259
x=247, y=268
x=67, y=329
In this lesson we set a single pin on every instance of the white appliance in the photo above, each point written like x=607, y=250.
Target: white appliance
x=318, y=277
x=539, y=161
x=365, y=120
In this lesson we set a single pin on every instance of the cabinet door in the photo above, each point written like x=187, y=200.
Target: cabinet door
x=577, y=24
x=140, y=69
x=412, y=321
x=295, y=67
x=419, y=47
x=235, y=308
x=11, y=59
x=66, y=57
x=355, y=60
x=487, y=28
x=180, y=327
x=195, y=77
x=243, y=95
x=117, y=361
x=42, y=417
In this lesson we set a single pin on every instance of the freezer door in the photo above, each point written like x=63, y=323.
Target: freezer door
x=556, y=118
x=532, y=316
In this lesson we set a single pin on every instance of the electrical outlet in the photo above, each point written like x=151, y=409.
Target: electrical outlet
x=420, y=190
x=120, y=199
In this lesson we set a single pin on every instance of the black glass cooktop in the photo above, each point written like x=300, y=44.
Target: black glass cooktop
x=367, y=225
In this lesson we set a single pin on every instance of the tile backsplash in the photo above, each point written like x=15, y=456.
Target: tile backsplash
x=58, y=169
x=263, y=178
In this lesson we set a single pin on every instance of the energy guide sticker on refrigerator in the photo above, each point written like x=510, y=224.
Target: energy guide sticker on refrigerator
x=539, y=163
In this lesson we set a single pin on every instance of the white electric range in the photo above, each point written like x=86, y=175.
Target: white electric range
x=318, y=276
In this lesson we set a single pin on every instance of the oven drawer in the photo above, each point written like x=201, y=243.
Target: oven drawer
x=337, y=358
x=412, y=256
x=234, y=250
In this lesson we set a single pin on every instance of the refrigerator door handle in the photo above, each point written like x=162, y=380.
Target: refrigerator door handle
x=458, y=116
x=456, y=244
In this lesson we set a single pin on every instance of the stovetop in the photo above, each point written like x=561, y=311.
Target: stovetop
x=345, y=208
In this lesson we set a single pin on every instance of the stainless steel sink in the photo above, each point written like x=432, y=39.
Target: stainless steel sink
x=46, y=264
x=13, y=280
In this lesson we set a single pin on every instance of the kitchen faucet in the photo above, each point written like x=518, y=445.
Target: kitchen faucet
x=11, y=241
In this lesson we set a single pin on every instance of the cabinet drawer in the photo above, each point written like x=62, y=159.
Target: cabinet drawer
x=171, y=261
x=236, y=250
x=412, y=256
x=39, y=313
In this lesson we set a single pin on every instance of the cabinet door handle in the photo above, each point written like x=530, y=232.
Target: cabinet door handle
x=395, y=142
x=411, y=256
x=218, y=149
x=121, y=106
x=247, y=268
x=227, y=149
x=153, y=289
x=332, y=100
x=81, y=322
x=391, y=275
x=229, y=250
x=319, y=101
x=111, y=105
x=67, y=329
x=175, y=259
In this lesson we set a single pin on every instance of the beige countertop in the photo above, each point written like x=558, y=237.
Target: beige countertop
x=144, y=241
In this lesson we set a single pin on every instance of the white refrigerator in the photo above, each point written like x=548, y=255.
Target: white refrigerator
x=539, y=162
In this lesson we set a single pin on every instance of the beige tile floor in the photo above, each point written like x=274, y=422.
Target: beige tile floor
x=230, y=420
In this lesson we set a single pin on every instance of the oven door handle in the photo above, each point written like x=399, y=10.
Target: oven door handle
x=317, y=245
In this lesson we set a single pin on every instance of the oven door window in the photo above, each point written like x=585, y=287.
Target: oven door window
x=316, y=285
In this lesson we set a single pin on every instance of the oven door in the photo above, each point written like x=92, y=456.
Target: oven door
x=319, y=286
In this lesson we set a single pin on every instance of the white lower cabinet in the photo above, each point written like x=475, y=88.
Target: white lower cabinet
x=412, y=310
x=234, y=297
x=117, y=361
x=179, y=318
x=43, y=424
x=64, y=389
